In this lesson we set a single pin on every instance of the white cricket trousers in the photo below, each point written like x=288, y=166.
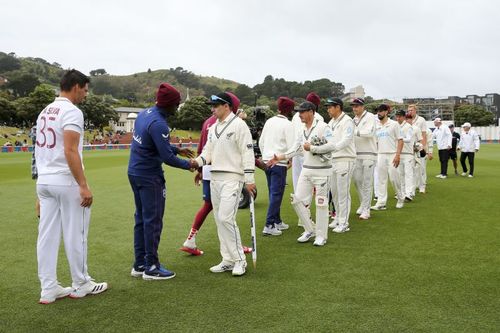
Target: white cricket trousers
x=61, y=213
x=225, y=199
x=421, y=172
x=406, y=175
x=340, y=184
x=301, y=200
x=297, y=162
x=384, y=169
x=363, y=180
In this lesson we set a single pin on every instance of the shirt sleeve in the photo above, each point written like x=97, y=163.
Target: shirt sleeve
x=160, y=135
x=262, y=138
x=477, y=142
x=245, y=145
x=328, y=146
x=367, y=128
x=205, y=157
x=296, y=148
x=72, y=120
x=409, y=135
x=347, y=136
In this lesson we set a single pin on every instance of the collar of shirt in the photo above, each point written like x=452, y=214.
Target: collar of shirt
x=60, y=99
x=228, y=118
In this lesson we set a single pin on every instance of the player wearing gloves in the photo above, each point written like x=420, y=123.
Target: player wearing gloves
x=315, y=142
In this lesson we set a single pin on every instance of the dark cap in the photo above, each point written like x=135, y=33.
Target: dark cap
x=334, y=101
x=383, y=107
x=285, y=105
x=167, y=96
x=451, y=126
x=219, y=99
x=358, y=101
x=401, y=113
x=305, y=106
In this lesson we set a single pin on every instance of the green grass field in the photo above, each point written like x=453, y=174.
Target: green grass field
x=433, y=266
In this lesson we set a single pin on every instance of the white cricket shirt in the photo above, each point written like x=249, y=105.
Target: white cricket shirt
x=388, y=135
x=365, y=140
x=51, y=162
x=277, y=137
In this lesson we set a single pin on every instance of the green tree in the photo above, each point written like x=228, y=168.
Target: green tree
x=245, y=94
x=97, y=72
x=192, y=114
x=477, y=115
x=7, y=112
x=8, y=63
x=29, y=107
x=22, y=83
x=97, y=112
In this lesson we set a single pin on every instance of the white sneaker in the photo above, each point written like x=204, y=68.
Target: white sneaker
x=239, y=268
x=470, y=176
x=271, y=231
x=364, y=216
x=281, y=226
x=400, y=204
x=359, y=211
x=54, y=294
x=464, y=174
x=341, y=229
x=333, y=224
x=319, y=241
x=224, y=266
x=377, y=207
x=305, y=237
x=422, y=190
x=439, y=176
x=89, y=288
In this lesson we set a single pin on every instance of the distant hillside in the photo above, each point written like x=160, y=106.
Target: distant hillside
x=136, y=88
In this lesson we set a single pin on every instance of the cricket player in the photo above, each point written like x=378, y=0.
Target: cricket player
x=315, y=142
x=407, y=164
x=469, y=146
x=343, y=160
x=63, y=191
x=149, y=150
x=390, y=145
x=421, y=168
x=229, y=149
x=277, y=138
x=298, y=126
x=203, y=176
x=418, y=151
x=454, y=144
x=442, y=135
x=365, y=141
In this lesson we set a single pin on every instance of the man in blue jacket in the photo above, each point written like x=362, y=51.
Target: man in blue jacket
x=150, y=148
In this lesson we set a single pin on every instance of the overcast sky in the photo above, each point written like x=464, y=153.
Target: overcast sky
x=394, y=48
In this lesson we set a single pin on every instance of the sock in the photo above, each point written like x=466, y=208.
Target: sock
x=201, y=216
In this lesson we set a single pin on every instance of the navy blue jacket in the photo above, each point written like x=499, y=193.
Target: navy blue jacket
x=151, y=145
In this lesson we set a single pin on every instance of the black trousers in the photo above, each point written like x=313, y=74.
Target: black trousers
x=470, y=156
x=443, y=158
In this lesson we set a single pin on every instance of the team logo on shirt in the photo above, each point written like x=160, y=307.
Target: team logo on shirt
x=165, y=136
x=229, y=135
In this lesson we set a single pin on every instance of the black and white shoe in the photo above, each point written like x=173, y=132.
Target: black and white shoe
x=89, y=288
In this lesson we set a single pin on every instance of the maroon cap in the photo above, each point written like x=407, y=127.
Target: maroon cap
x=313, y=98
x=235, y=101
x=167, y=96
x=286, y=105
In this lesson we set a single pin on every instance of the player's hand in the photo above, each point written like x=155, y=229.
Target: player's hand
x=273, y=161
x=197, y=178
x=289, y=164
x=193, y=165
x=260, y=164
x=395, y=161
x=86, y=196
x=307, y=146
x=186, y=152
x=252, y=189
x=429, y=155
